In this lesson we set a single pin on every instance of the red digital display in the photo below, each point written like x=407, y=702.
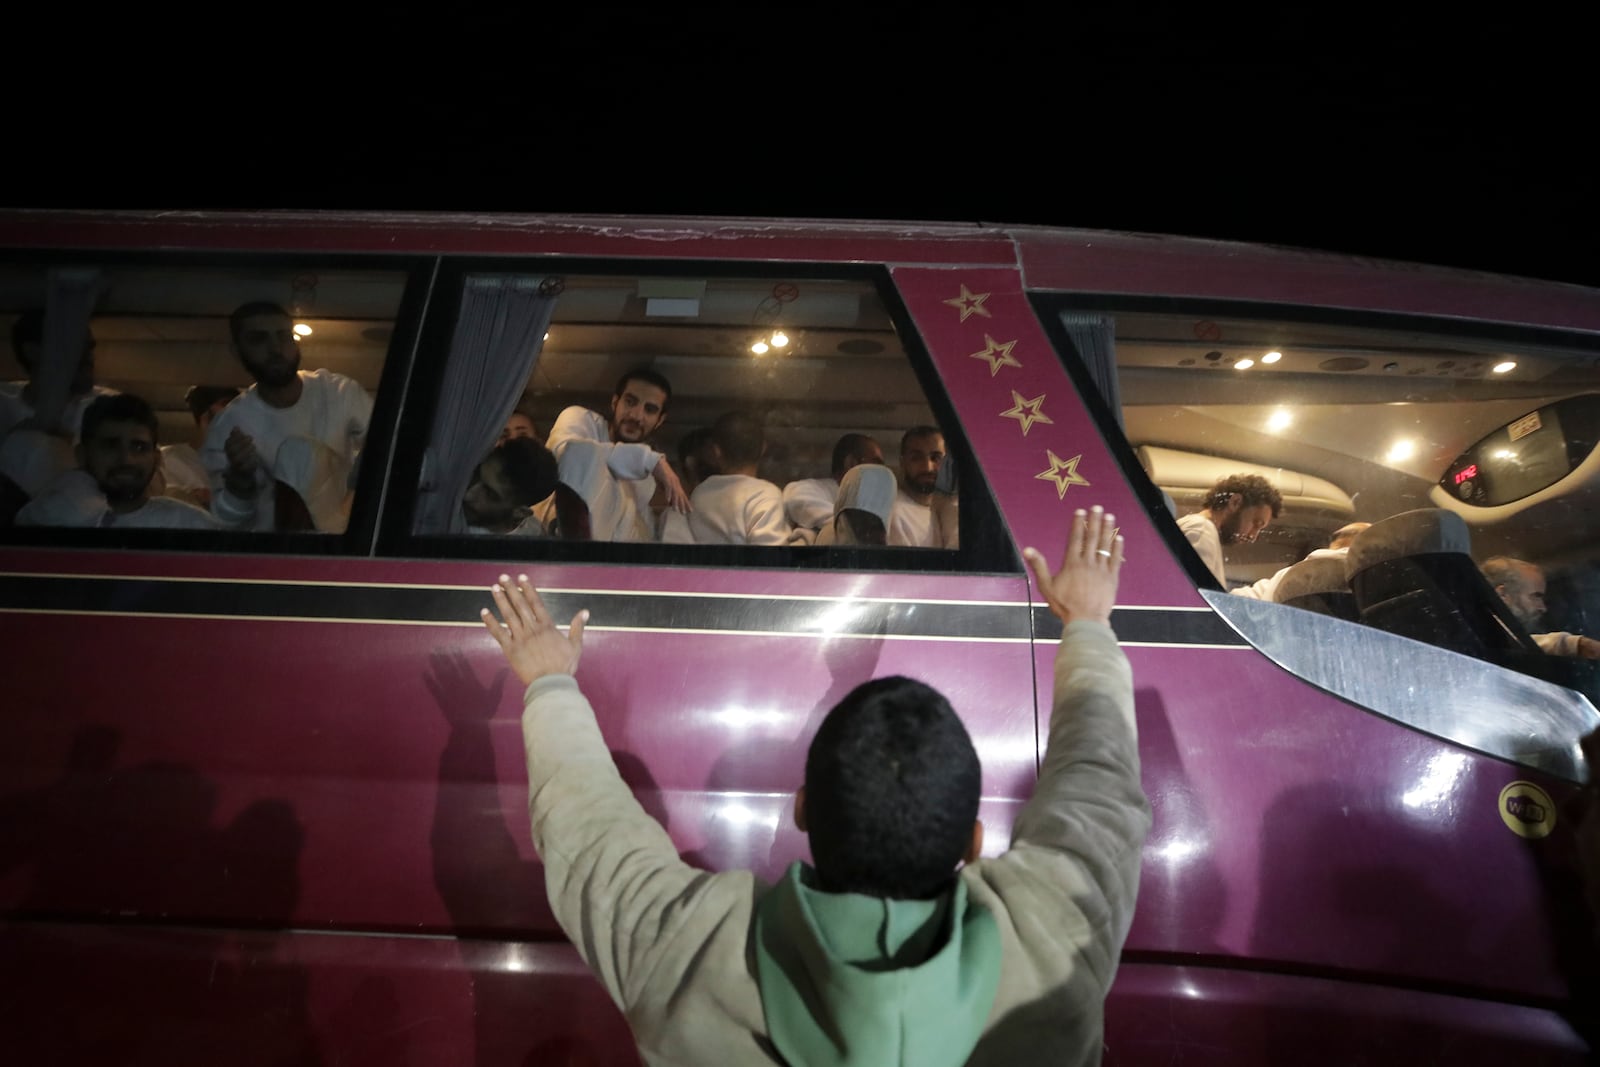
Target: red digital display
x=1466, y=472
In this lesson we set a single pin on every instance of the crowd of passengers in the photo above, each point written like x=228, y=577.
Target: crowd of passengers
x=284, y=455
x=1240, y=506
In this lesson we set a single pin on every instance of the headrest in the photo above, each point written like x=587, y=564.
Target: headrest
x=867, y=487
x=1309, y=577
x=1426, y=531
x=320, y=476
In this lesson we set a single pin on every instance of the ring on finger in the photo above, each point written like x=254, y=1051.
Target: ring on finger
x=1106, y=552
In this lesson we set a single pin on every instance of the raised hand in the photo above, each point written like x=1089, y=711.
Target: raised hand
x=533, y=646
x=1086, y=585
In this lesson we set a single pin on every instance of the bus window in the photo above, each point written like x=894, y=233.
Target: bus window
x=242, y=395
x=1353, y=424
x=749, y=401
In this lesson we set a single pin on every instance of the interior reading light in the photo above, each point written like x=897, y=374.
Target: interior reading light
x=1402, y=450
x=1272, y=357
x=1243, y=364
x=1279, y=420
x=1508, y=365
x=759, y=348
x=779, y=338
x=302, y=330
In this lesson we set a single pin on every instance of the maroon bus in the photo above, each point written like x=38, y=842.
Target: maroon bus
x=261, y=791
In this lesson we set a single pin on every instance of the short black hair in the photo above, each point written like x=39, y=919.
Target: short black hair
x=120, y=407
x=531, y=469
x=1253, y=490
x=919, y=431
x=28, y=329
x=739, y=437
x=199, y=398
x=650, y=377
x=892, y=787
x=250, y=310
x=850, y=446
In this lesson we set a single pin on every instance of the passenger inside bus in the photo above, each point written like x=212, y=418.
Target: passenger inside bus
x=519, y=424
x=638, y=408
x=118, y=459
x=808, y=503
x=1338, y=548
x=327, y=410
x=184, y=474
x=696, y=462
x=38, y=427
x=1236, y=510
x=1522, y=586
x=519, y=474
x=735, y=506
x=923, y=517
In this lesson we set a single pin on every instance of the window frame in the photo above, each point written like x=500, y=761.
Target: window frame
x=360, y=535
x=986, y=549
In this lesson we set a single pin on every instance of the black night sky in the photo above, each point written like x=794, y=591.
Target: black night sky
x=1378, y=134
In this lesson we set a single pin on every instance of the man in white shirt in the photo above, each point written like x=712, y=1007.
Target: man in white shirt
x=736, y=507
x=181, y=469
x=285, y=402
x=638, y=408
x=1236, y=510
x=1521, y=585
x=808, y=502
x=118, y=460
x=915, y=522
x=31, y=452
x=1338, y=548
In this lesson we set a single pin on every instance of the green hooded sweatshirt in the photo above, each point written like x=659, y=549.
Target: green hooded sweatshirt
x=853, y=979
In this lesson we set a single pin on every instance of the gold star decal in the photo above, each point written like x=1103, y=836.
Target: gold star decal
x=1027, y=412
x=969, y=303
x=1064, y=472
x=998, y=354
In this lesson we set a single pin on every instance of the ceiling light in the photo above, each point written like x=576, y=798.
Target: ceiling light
x=1243, y=364
x=1508, y=365
x=1272, y=357
x=1279, y=420
x=1401, y=450
x=779, y=338
x=302, y=330
x=759, y=348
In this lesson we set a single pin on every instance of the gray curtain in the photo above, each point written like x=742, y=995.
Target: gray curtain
x=1094, y=336
x=497, y=341
x=69, y=305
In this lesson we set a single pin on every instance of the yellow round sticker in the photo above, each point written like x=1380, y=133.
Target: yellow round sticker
x=1527, y=809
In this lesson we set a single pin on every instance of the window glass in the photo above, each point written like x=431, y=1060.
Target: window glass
x=776, y=406
x=1419, y=486
x=162, y=355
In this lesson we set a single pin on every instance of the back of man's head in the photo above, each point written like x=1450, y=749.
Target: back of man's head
x=739, y=438
x=1252, y=489
x=202, y=398
x=848, y=451
x=119, y=407
x=892, y=786
x=531, y=469
x=1503, y=570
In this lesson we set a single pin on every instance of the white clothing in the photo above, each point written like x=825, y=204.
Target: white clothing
x=808, y=503
x=675, y=528
x=183, y=471
x=1266, y=587
x=613, y=508
x=75, y=500
x=14, y=409
x=528, y=527
x=1202, y=534
x=630, y=463
x=737, y=509
x=911, y=524
x=332, y=409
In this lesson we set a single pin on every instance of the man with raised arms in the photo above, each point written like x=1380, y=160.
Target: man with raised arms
x=1236, y=510
x=118, y=459
x=638, y=408
x=328, y=412
x=899, y=945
